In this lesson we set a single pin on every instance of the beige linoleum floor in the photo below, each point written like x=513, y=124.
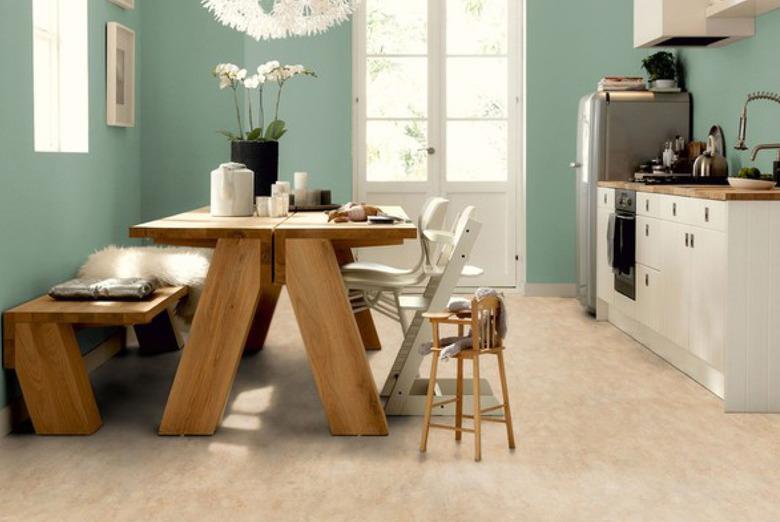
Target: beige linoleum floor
x=605, y=430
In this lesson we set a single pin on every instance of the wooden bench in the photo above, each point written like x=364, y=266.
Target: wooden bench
x=39, y=342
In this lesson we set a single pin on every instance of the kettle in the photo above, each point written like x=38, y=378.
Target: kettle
x=232, y=191
x=711, y=164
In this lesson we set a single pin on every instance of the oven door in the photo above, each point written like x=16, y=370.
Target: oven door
x=624, y=253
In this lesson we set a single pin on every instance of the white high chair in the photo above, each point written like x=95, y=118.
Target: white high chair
x=379, y=287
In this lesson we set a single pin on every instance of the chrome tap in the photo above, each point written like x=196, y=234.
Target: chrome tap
x=765, y=146
x=761, y=95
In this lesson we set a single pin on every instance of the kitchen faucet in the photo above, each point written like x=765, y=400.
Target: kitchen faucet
x=760, y=95
x=765, y=146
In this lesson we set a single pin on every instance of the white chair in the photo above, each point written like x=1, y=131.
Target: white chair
x=378, y=287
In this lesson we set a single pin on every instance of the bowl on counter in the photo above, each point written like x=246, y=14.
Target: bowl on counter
x=751, y=184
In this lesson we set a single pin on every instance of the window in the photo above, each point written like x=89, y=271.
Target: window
x=60, y=76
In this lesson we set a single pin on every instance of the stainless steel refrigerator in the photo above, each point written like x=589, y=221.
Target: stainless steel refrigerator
x=616, y=132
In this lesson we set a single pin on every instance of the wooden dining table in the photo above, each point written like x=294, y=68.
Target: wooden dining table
x=253, y=258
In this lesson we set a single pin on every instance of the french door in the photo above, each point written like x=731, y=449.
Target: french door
x=436, y=112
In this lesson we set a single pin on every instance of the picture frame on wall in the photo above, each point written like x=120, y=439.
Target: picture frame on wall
x=124, y=4
x=120, y=75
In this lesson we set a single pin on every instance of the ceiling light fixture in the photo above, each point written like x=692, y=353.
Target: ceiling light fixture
x=282, y=18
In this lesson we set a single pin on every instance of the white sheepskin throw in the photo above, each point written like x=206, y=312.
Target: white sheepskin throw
x=164, y=266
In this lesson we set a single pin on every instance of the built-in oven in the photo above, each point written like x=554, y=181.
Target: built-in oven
x=623, y=242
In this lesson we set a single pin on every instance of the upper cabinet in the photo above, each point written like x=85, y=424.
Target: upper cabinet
x=740, y=8
x=684, y=23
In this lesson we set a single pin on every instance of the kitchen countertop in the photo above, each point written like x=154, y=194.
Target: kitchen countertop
x=715, y=192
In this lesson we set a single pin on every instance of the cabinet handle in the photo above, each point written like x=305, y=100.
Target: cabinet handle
x=687, y=239
x=647, y=279
x=647, y=230
x=706, y=214
x=647, y=205
x=693, y=237
x=674, y=209
x=605, y=199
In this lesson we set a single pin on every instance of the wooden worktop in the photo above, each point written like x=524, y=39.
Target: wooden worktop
x=715, y=192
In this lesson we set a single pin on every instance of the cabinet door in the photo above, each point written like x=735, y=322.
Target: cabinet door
x=648, y=297
x=605, y=279
x=708, y=296
x=649, y=241
x=676, y=268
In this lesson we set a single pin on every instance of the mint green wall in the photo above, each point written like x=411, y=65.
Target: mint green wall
x=318, y=111
x=720, y=80
x=57, y=208
x=569, y=47
x=181, y=106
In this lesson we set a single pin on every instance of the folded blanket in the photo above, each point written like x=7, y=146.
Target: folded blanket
x=131, y=288
x=454, y=345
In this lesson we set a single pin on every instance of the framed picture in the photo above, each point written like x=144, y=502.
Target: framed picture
x=120, y=75
x=124, y=4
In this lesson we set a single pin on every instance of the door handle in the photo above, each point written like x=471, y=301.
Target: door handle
x=674, y=209
x=693, y=237
x=428, y=150
x=647, y=230
x=647, y=279
x=687, y=240
x=575, y=165
x=706, y=214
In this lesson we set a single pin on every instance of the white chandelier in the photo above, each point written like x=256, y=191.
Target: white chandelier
x=284, y=18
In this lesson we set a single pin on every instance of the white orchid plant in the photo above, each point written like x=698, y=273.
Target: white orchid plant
x=233, y=77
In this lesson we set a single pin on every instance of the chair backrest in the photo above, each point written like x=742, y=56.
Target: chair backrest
x=458, y=228
x=484, y=323
x=432, y=217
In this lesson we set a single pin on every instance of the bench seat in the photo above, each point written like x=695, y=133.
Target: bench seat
x=39, y=342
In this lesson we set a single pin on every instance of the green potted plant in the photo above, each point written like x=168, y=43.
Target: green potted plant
x=661, y=69
x=257, y=145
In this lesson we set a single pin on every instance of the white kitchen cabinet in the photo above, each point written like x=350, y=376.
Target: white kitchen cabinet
x=649, y=297
x=606, y=198
x=649, y=248
x=709, y=214
x=676, y=209
x=740, y=8
x=647, y=205
x=676, y=267
x=707, y=292
x=605, y=285
x=708, y=295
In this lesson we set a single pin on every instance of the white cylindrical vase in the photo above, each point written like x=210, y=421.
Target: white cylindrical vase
x=232, y=191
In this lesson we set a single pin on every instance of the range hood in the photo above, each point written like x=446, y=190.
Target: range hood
x=684, y=23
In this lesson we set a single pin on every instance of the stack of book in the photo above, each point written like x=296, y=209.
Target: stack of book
x=622, y=83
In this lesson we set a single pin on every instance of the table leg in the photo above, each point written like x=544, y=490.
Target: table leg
x=269, y=296
x=333, y=344
x=364, y=319
x=219, y=332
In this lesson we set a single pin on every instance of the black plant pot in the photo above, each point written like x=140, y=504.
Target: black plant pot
x=262, y=158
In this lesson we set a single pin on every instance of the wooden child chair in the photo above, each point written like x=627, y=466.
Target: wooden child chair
x=483, y=320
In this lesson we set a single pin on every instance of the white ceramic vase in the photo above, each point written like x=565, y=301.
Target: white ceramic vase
x=232, y=191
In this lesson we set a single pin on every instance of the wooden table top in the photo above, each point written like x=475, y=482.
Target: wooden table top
x=315, y=224
x=713, y=192
x=200, y=225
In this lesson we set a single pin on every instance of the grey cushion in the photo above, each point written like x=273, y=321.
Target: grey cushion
x=132, y=288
